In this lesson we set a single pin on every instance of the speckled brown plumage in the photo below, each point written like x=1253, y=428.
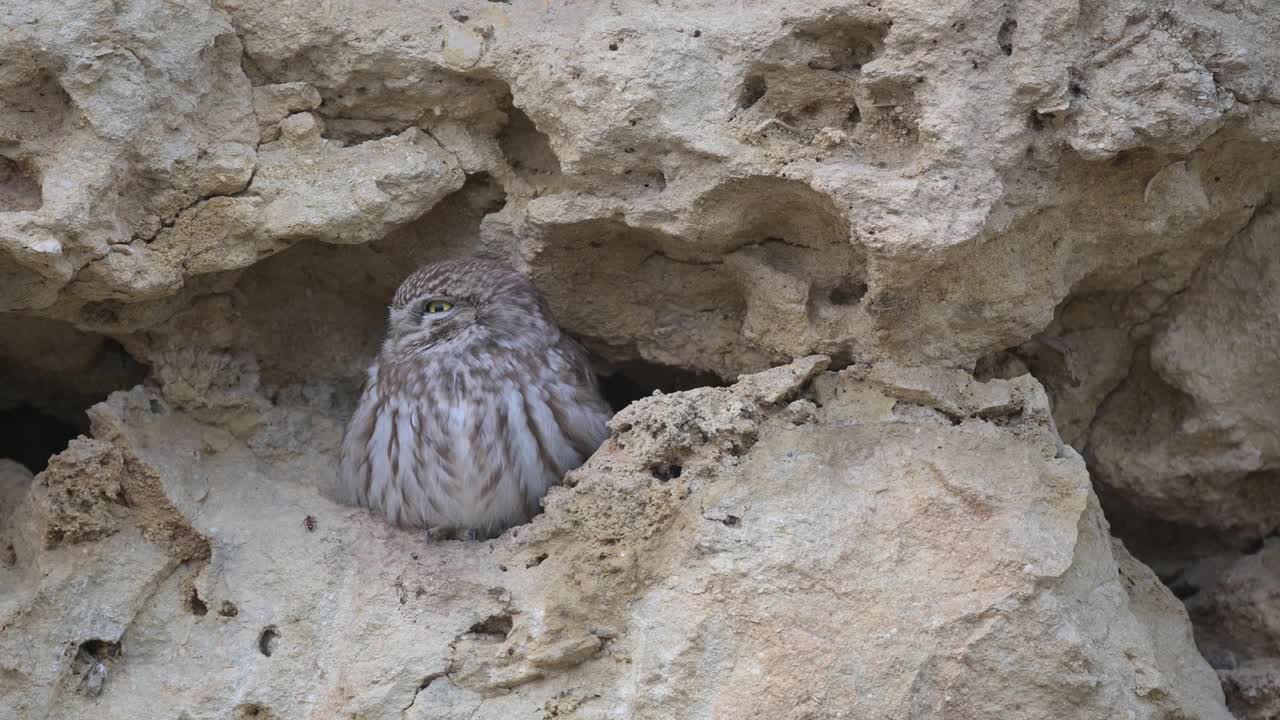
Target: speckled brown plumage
x=470, y=414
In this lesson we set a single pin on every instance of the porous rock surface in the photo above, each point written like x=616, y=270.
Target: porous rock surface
x=216, y=200
x=802, y=544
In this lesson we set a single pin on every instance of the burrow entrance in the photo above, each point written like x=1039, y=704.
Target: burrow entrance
x=50, y=373
x=636, y=379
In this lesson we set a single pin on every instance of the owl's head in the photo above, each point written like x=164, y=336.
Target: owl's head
x=466, y=304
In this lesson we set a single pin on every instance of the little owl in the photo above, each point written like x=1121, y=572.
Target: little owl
x=476, y=405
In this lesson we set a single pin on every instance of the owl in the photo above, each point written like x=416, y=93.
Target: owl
x=475, y=406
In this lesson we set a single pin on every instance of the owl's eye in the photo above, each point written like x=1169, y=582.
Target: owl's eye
x=436, y=306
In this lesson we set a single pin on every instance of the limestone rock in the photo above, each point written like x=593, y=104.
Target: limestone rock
x=873, y=182
x=209, y=205
x=80, y=556
x=1206, y=388
x=713, y=558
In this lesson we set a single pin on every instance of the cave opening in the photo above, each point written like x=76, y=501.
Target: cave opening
x=48, y=381
x=31, y=437
x=634, y=379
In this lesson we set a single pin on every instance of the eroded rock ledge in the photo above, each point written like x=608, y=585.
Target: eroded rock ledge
x=804, y=539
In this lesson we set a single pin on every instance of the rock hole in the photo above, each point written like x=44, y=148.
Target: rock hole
x=536, y=560
x=854, y=116
x=848, y=292
x=742, y=446
x=613, y=46
x=267, y=640
x=228, y=609
x=49, y=380
x=498, y=626
x=252, y=711
x=697, y=33
x=458, y=15
x=1035, y=121
x=841, y=45
x=666, y=472
x=195, y=604
x=90, y=665
x=657, y=181
x=485, y=193
x=527, y=149
x=1005, y=36
x=32, y=437
x=731, y=521
x=100, y=650
x=630, y=381
x=753, y=88
x=350, y=132
x=18, y=190
x=690, y=295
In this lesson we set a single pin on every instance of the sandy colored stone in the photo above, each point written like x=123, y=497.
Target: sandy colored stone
x=1193, y=425
x=713, y=558
x=994, y=164
x=94, y=488
x=274, y=103
x=79, y=497
x=232, y=191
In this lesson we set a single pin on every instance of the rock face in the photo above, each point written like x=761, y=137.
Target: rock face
x=207, y=206
x=805, y=543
